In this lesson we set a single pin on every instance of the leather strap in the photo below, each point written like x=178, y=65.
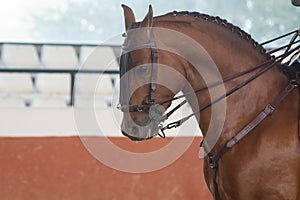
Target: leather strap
x=153, y=75
x=255, y=122
x=268, y=110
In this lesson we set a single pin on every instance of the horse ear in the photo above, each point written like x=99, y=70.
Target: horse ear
x=128, y=16
x=148, y=20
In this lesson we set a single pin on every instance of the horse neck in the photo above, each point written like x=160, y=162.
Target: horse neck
x=232, y=54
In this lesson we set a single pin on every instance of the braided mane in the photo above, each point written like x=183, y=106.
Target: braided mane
x=221, y=22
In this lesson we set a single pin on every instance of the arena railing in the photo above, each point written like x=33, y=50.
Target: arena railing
x=71, y=72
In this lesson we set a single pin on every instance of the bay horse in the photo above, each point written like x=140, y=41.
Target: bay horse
x=264, y=164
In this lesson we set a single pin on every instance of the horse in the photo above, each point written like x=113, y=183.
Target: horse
x=257, y=152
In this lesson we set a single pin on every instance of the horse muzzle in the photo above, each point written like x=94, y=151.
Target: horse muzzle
x=146, y=127
x=138, y=133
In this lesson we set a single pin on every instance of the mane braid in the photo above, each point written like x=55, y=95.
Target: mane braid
x=224, y=23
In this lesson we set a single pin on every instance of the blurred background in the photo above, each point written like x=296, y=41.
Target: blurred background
x=43, y=149
x=96, y=21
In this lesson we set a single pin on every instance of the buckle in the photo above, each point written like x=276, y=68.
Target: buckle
x=295, y=82
x=212, y=164
x=269, y=109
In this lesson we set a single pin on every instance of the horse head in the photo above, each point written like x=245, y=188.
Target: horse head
x=146, y=78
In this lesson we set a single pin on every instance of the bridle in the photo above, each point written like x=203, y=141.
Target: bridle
x=125, y=60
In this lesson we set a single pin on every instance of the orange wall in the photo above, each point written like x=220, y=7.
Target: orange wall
x=61, y=168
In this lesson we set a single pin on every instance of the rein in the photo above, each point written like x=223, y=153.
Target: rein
x=295, y=32
x=268, y=65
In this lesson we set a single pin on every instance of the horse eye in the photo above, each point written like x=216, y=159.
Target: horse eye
x=142, y=69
